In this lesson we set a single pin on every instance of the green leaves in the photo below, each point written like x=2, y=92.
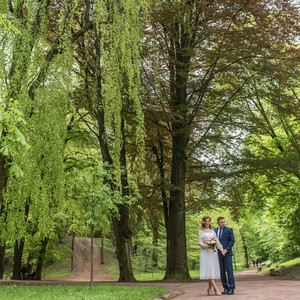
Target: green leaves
x=16, y=170
x=12, y=141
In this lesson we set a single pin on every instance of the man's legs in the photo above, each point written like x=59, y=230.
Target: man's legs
x=222, y=271
x=229, y=271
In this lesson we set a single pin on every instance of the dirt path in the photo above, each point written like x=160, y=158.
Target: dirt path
x=82, y=263
x=249, y=285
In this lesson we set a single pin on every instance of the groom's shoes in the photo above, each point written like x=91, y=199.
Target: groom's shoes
x=225, y=292
x=230, y=292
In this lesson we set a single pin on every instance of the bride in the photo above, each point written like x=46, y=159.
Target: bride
x=209, y=261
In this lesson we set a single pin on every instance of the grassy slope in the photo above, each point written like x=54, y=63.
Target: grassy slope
x=286, y=270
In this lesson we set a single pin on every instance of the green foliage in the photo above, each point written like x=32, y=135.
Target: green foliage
x=12, y=141
x=97, y=196
x=93, y=195
x=145, y=251
x=121, y=59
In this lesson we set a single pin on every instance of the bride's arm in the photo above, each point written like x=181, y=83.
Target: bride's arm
x=219, y=245
x=201, y=240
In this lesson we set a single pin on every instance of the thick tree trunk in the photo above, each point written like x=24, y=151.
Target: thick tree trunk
x=159, y=154
x=2, y=257
x=177, y=265
x=18, y=253
x=3, y=181
x=39, y=266
x=122, y=228
x=19, y=248
x=120, y=225
x=123, y=234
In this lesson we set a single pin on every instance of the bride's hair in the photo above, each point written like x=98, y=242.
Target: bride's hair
x=203, y=221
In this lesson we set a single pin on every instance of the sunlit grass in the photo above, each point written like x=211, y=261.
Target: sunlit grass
x=160, y=275
x=99, y=292
x=290, y=263
x=149, y=276
x=56, y=271
x=288, y=269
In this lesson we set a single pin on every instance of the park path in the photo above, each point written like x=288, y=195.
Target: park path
x=250, y=285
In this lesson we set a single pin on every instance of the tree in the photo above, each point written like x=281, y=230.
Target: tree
x=199, y=54
x=28, y=53
x=108, y=70
x=96, y=200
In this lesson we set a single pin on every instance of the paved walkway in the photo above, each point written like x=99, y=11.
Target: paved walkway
x=250, y=285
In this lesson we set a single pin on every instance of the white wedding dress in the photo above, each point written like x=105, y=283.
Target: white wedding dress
x=209, y=261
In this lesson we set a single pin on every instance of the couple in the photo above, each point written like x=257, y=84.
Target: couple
x=216, y=255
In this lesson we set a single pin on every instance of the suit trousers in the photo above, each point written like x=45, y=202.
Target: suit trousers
x=226, y=271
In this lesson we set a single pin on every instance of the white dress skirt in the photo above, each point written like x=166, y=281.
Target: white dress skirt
x=209, y=261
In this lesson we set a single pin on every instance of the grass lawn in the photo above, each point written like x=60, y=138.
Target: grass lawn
x=56, y=271
x=99, y=292
x=160, y=275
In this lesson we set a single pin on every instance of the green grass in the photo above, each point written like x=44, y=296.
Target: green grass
x=287, y=264
x=99, y=292
x=56, y=271
x=291, y=263
x=160, y=275
x=149, y=276
x=288, y=269
x=194, y=274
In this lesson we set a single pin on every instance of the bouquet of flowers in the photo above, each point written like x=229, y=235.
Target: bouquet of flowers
x=211, y=243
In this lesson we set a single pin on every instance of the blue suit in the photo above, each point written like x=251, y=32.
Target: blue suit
x=226, y=269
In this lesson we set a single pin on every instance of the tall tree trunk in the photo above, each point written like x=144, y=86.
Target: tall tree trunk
x=2, y=257
x=177, y=265
x=3, y=181
x=102, y=249
x=245, y=248
x=92, y=254
x=18, y=253
x=121, y=226
x=72, y=248
x=159, y=154
x=123, y=234
x=19, y=247
x=39, y=266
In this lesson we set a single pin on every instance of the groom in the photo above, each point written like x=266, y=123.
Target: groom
x=226, y=237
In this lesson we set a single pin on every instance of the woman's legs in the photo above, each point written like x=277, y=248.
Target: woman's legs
x=210, y=287
x=215, y=287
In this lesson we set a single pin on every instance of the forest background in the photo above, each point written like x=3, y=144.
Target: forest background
x=131, y=120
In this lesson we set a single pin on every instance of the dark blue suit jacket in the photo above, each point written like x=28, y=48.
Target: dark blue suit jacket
x=227, y=239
